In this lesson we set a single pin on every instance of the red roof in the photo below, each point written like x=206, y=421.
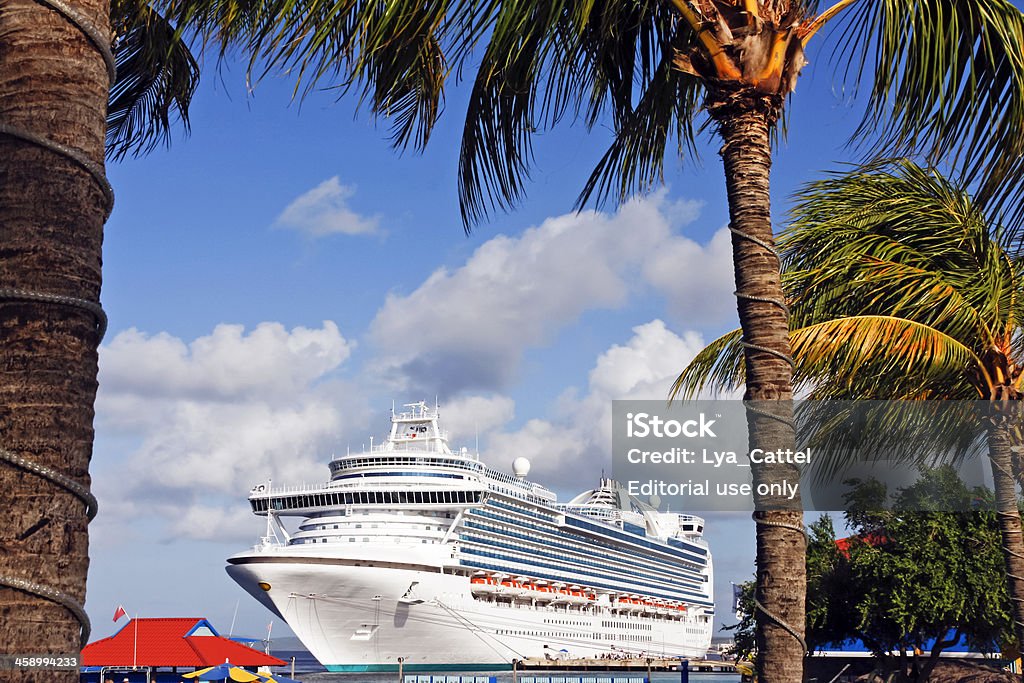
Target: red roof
x=871, y=539
x=188, y=642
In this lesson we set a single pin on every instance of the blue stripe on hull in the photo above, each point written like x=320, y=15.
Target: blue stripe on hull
x=385, y=668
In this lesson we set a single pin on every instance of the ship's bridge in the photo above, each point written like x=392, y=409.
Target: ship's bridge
x=415, y=444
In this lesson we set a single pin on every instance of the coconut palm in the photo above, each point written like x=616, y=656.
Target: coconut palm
x=900, y=289
x=946, y=80
x=54, y=89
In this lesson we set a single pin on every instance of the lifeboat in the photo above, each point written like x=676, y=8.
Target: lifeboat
x=624, y=602
x=535, y=591
x=545, y=592
x=483, y=585
x=511, y=587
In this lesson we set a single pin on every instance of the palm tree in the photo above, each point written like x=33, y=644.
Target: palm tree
x=901, y=290
x=947, y=80
x=56, y=70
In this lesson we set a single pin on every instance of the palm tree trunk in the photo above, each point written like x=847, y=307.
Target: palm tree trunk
x=745, y=119
x=1000, y=456
x=53, y=84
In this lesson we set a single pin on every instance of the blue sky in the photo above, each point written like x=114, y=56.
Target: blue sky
x=275, y=279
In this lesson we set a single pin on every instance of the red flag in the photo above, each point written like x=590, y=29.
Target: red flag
x=119, y=612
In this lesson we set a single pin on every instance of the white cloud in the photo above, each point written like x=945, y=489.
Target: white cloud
x=212, y=523
x=226, y=364
x=467, y=328
x=203, y=421
x=697, y=280
x=324, y=210
x=467, y=417
x=572, y=447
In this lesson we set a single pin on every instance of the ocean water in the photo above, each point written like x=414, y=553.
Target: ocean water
x=308, y=670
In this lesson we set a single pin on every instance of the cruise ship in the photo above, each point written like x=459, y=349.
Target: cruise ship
x=418, y=554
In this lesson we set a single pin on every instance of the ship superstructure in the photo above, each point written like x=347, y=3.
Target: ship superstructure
x=415, y=551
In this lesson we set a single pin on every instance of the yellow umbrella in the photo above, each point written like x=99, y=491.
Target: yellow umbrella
x=223, y=672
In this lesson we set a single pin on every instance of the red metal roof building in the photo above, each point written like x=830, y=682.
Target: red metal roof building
x=181, y=643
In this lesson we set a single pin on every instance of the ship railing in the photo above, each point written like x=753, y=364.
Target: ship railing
x=394, y=459
x=592, y=511
x=530, y=487
x=264, y=491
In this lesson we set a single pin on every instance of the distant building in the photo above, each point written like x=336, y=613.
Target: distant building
x=163, y=649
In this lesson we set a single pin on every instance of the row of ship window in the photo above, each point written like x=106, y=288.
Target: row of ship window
x=347, y=463
x=681, y=545
x=631, y=637
x=339, y=498
x=534, y=552
x=695, y=562
x=626, y=624
x=674, y=571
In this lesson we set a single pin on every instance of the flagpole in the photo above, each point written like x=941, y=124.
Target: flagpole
x=135, y=645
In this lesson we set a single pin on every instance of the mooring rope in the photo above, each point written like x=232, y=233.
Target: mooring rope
x=99, y=41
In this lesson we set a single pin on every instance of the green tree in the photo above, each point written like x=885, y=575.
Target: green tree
x=901, y=290
x=946, y=79
x=913, y=580
x=919, y=581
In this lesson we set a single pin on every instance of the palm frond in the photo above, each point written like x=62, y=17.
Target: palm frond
x=947, y=82
x=156, y=79
x=908, y=432
x=503, y=112
x=719, y=367
x=901, y=240
x=392, y=54
x=635, y=160
x=865, y=357
x=861, y=357
x=585, y=58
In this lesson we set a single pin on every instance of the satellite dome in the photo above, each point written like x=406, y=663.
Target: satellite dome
x=520, y=467
x=655, y=501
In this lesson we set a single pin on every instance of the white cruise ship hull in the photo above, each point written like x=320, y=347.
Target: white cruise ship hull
x=362, y=614
x=418, y=553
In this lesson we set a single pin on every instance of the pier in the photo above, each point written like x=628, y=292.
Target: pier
x=634, y=664
x=568, y=668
